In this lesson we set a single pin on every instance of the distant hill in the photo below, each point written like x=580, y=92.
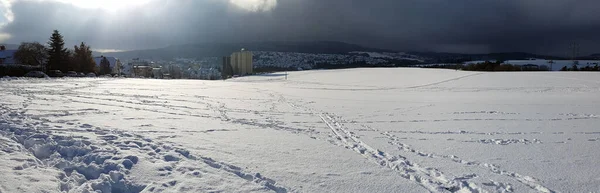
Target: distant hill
x=225, y=49
x=437, y=57
x=590, y=57
x=320, y=47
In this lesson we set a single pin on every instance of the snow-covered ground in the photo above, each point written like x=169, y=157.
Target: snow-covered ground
x=356, y=130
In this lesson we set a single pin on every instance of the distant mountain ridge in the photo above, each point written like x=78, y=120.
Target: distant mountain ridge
x=225, y=49
x=593, y=57
x=200, y=50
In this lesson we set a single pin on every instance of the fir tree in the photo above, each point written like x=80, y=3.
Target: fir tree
x=104, y=66
x=58, y=56
x=82, y=57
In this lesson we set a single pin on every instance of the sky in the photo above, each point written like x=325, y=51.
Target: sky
x=467, y=26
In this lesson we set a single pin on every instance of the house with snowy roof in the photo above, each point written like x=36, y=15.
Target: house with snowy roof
x=7, y=56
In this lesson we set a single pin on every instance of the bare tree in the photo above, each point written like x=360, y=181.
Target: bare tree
x=31, y=53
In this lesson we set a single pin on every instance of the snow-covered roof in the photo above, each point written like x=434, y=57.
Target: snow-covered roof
x=7, y=56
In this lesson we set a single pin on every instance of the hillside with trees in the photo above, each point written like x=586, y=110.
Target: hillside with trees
x=488, y=66
x=440, y=57
x=225, y=49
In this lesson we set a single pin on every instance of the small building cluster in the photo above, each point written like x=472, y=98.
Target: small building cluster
x=140, y=68
x=207, y=68
x=297, y=60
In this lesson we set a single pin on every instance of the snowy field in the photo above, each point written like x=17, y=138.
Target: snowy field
x=356, y=130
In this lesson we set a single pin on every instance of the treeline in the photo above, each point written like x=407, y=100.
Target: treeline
x=454, y=58
x=499, y=66
x=586, y=68
x=491, y=67
x=34, y=56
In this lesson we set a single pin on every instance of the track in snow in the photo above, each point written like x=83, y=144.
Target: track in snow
x=430, y=178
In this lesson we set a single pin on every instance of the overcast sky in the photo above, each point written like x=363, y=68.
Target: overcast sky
x=475, y=26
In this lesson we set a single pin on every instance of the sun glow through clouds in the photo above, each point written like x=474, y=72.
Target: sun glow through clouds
x=255, y=5
x=106, y=4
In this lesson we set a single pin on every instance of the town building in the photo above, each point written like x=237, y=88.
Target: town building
x=241, y=62
x=139, y=68
x=157, y=73
x=226, y=69
x=172, y=71
x=143, y=72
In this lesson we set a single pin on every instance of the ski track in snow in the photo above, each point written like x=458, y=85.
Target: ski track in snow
x=430, y=178
x=529, y=181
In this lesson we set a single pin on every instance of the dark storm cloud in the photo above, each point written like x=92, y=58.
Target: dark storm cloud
x=541, y=26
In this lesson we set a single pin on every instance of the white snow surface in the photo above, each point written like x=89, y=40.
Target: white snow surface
x=355, y=130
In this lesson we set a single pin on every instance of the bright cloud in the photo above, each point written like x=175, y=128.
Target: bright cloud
x=6, y=17
x=255, y=5
x=106, y=4
x=5, y=9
